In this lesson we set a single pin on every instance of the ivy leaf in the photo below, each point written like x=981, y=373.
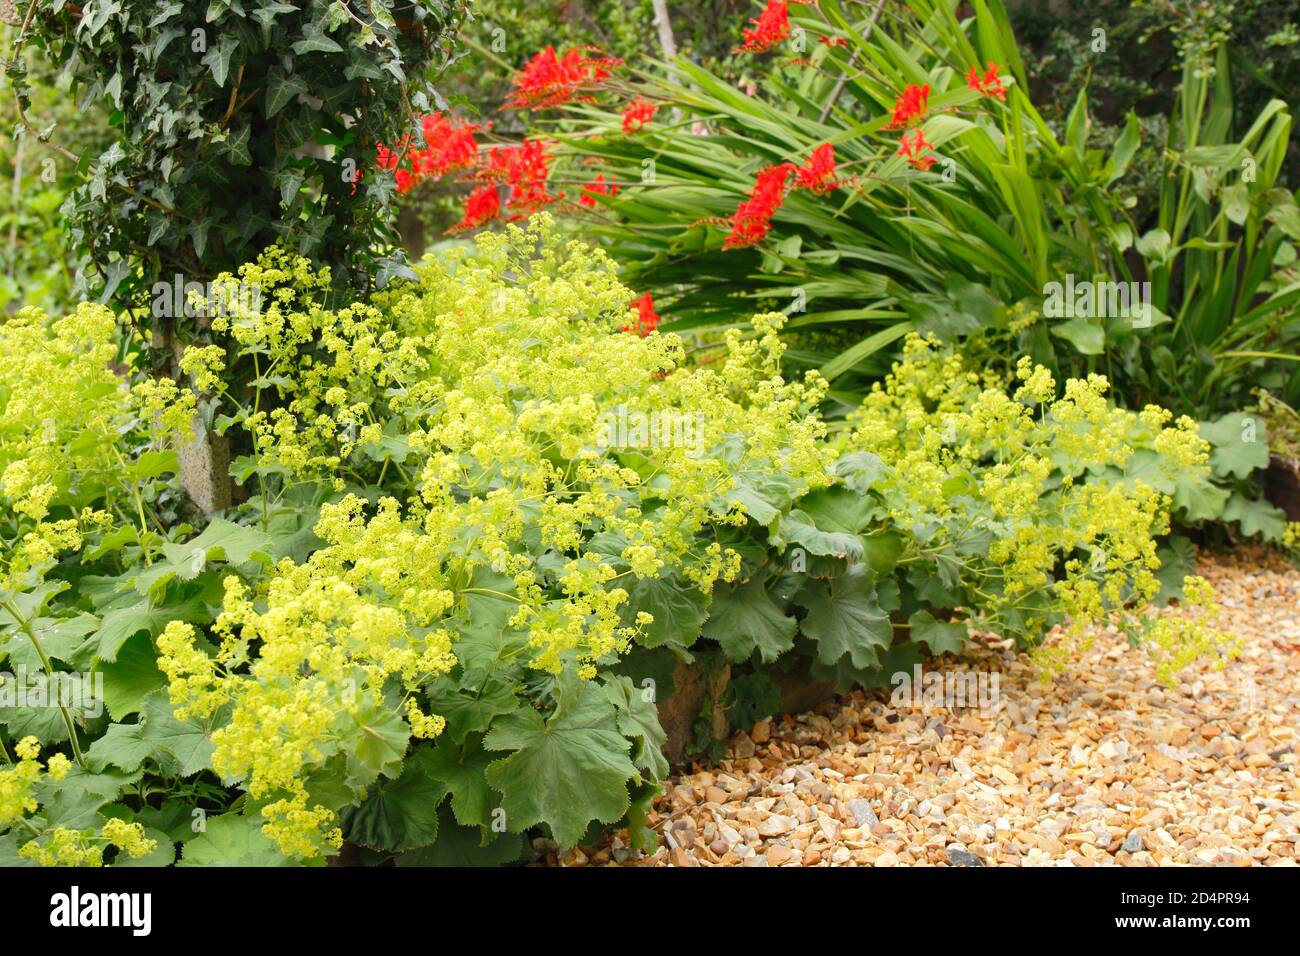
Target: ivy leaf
x=565, y=771
x=400, y=814
x=679, y=611
x=314, y=41
x=743, y=619
x=232, y=840
x=638, y=719
x=938, y=636
x=844, y=617
x=218, y=57
x=281, y=90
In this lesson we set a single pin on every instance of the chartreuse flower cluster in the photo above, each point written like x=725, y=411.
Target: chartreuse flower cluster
x=1046, y=506
x=21, y=779
x=485, y=395
x=72, y=433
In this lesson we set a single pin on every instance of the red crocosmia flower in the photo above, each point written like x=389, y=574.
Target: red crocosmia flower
x=771, y=27
x=833, y=41
x=597, y=187
x=524, y=168
x=647, y=319
x=550, y=79
x=482, y=206
x=990, y=84
x=405, y=180
x=819, y=174
x=913, y=146
x=911, y=107
x=451, y=144
x=637, y=115
x=753, y=218
x=385, y=158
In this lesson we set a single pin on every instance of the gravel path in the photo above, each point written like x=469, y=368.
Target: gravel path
x=1102, y=766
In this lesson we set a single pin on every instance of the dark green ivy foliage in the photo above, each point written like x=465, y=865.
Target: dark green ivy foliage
x=240, y=123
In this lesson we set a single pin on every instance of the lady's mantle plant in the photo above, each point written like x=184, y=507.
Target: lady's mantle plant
x=413, y=635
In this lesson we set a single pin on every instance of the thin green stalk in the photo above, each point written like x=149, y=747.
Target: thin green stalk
x=27, y=628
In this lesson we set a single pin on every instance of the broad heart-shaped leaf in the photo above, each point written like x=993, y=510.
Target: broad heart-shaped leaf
x=74, y=802
x=1086, y=335
x=163, y=854
x=185, y=745
x=181, y=603
x=1177, y=561
x=484, y=639
x=470, y=710
x=938, y=636
x=60, y=638
x=799, y=529
x=1255, y=516
x=1240, y=444
x=743, y=619
x=375, y=740
x=844, y=617
x=232, y=840
x=861, y=471
x=123, y=746
x=399, y=814
x=461, y=771
x=46, y=724
x=463, y=846
x=838, y=509
x=566, y=771
x=130, y=678
x=1199, y=500
x=221, y=540
x=679, y=610
x=638, y=718
x=640, y=834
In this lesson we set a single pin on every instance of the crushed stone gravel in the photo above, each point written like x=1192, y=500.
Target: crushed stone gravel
x=1102, y=766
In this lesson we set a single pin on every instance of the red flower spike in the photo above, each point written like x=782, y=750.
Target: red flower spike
x=637, y=115
x=770, y=28
x=753, y=218
x=550, y=80
x=524, y=168
x=832, y=41
x=647, y=319
x=912, y=146
x=482, y=206
x=819, y=174
x=597, y=187
x=912, y=107
x=990, y=84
